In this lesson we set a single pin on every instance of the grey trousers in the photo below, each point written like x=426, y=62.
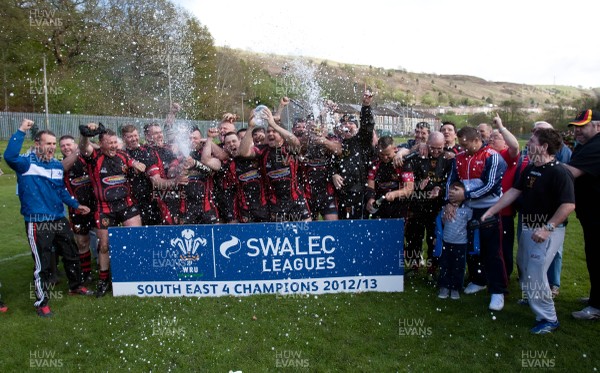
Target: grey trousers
x=534, y=259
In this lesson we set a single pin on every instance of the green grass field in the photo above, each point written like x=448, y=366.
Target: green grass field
x=413, y=331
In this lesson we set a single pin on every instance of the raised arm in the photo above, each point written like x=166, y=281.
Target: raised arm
x=246, y=149
x=282, y=104
x=69, y=160
x=85, y=146
x=290, y=139
x=207, y=155
x=334, y=147
x=367, y=122
x=11, y=154
x=173, y=110
x=509, y=138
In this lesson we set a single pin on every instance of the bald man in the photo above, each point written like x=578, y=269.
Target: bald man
x=485, y=131
x=430, y=176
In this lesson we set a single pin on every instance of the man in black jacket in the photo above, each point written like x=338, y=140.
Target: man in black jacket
x=585, y=167
x=353, y=164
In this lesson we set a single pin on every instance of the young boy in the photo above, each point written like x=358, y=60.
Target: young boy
x=454, y=251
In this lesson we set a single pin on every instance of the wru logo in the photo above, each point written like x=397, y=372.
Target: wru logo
x=188, y=245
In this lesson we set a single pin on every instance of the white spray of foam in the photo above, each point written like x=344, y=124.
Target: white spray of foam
x=308, y=85
x=180, y=138
x=304, y=74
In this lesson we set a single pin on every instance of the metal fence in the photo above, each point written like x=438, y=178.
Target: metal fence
x=67, y=124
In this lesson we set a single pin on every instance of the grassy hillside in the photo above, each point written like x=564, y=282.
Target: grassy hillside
x=431, y=89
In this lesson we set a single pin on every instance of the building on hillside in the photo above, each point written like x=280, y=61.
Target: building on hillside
x=409, y=117
x=387, y=121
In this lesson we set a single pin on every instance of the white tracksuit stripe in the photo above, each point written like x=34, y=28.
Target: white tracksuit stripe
x=37, y=281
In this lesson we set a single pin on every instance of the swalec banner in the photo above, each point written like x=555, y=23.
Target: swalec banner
x=271, y=258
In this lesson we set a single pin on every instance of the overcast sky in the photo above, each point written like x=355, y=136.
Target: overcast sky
x=524, y=41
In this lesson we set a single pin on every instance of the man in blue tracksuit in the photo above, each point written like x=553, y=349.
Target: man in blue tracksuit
x=42, y=193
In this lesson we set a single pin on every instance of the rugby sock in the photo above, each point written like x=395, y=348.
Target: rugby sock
x=104, y=275
x=85, y=261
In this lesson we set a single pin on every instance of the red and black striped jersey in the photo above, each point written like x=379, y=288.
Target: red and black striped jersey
x=389, y=178
x=199, y=189
x=109, y=180
x=79, y=184
x=245, y=177
x=279, y=169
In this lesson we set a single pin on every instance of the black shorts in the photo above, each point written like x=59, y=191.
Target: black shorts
x=113, y=219
x=82, y=224
x=351, y=206
x=290, y=211
x=150, y=212
x=255, y=215
x=325, y=206
x=197, y=215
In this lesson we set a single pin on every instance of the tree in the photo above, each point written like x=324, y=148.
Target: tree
x=557, y=116
x=513, y=117
x=21, y=55
x=427, y=100
x=475, y=119
x=203, y=64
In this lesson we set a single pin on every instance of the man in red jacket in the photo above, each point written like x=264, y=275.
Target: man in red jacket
x=480, y=168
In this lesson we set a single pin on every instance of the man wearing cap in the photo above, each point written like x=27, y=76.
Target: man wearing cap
x=585, y=167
